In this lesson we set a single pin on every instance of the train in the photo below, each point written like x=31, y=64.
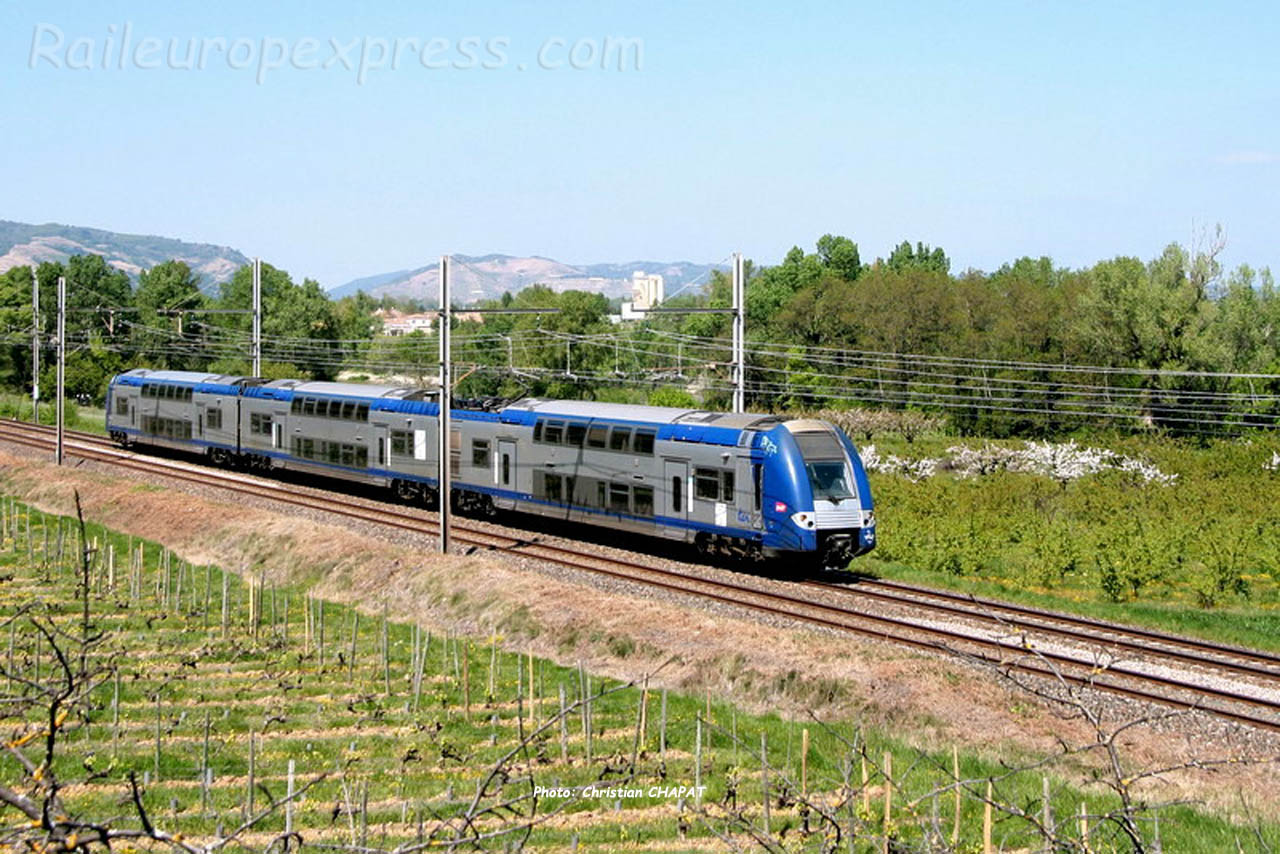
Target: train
x=744, y=485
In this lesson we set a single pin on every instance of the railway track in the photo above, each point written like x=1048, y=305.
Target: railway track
x=1230, y=682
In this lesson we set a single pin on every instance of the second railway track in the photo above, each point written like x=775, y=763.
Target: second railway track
x=1230, y=682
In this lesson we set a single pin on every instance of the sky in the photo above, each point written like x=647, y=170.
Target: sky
x=618, y=131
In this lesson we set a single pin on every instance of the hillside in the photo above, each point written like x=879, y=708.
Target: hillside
x=22, y=243
x=489, y=276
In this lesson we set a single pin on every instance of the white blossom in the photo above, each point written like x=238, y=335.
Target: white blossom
x=1274, y=465
x=1064, y=461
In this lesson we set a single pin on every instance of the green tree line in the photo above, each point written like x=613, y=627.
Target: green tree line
x=1165, y=335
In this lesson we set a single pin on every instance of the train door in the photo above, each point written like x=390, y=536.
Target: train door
x=675, y=489
x=381, y=450
x=504, y=472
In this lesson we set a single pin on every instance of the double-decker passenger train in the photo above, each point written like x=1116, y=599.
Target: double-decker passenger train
x=729, y=484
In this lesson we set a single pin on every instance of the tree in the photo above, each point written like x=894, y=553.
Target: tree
x=922, y=256
x=289, y=311
x=840, y=255
x=15, y=319
x=166, y=286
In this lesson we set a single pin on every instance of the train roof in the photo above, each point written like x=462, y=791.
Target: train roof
x=649, y=414
x=193, y=377
x=363, y=390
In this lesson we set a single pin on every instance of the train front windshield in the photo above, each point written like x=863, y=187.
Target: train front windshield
x=830, y=480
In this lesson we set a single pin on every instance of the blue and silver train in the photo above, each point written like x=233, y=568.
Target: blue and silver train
x=729, y=484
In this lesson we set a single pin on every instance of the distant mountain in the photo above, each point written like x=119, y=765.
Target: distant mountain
x=490, y=276
x=21, y=243
x=475, y=277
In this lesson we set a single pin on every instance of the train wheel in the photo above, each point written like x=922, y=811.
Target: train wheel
x=407, y=491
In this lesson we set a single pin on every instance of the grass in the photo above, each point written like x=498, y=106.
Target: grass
x=192, y=687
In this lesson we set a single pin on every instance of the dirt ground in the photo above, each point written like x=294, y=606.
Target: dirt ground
x=929, y=702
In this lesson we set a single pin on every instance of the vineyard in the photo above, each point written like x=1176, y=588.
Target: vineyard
x=210, y=708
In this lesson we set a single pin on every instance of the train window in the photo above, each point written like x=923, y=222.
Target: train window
x=553, y=432
x=362, y=456
x=260, y=424
x=643, y=443
x=601, y=486
x=308, y=406
x=506, y=469
x=333, y=451
x=362, y=412
x=552, y=484
x=122, y=406
x=295, y=408
x=706, y=484
x=726, y=486
x=619, y=498
x=620, y=439
x=537, y=432
x=597, y=436
x=213, y=418
x=757, y=486
x=677, y=493
x=480, y=453
x=400, y=443
x=348, y=454
x=570, y=483
x=349, y=410
x=574, y=435
x=643, y=496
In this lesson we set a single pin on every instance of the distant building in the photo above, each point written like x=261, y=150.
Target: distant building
x=399, y=323
x=647, y=290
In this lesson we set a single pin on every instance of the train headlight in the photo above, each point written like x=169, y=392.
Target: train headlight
x=804, y=520
x=868, y=518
